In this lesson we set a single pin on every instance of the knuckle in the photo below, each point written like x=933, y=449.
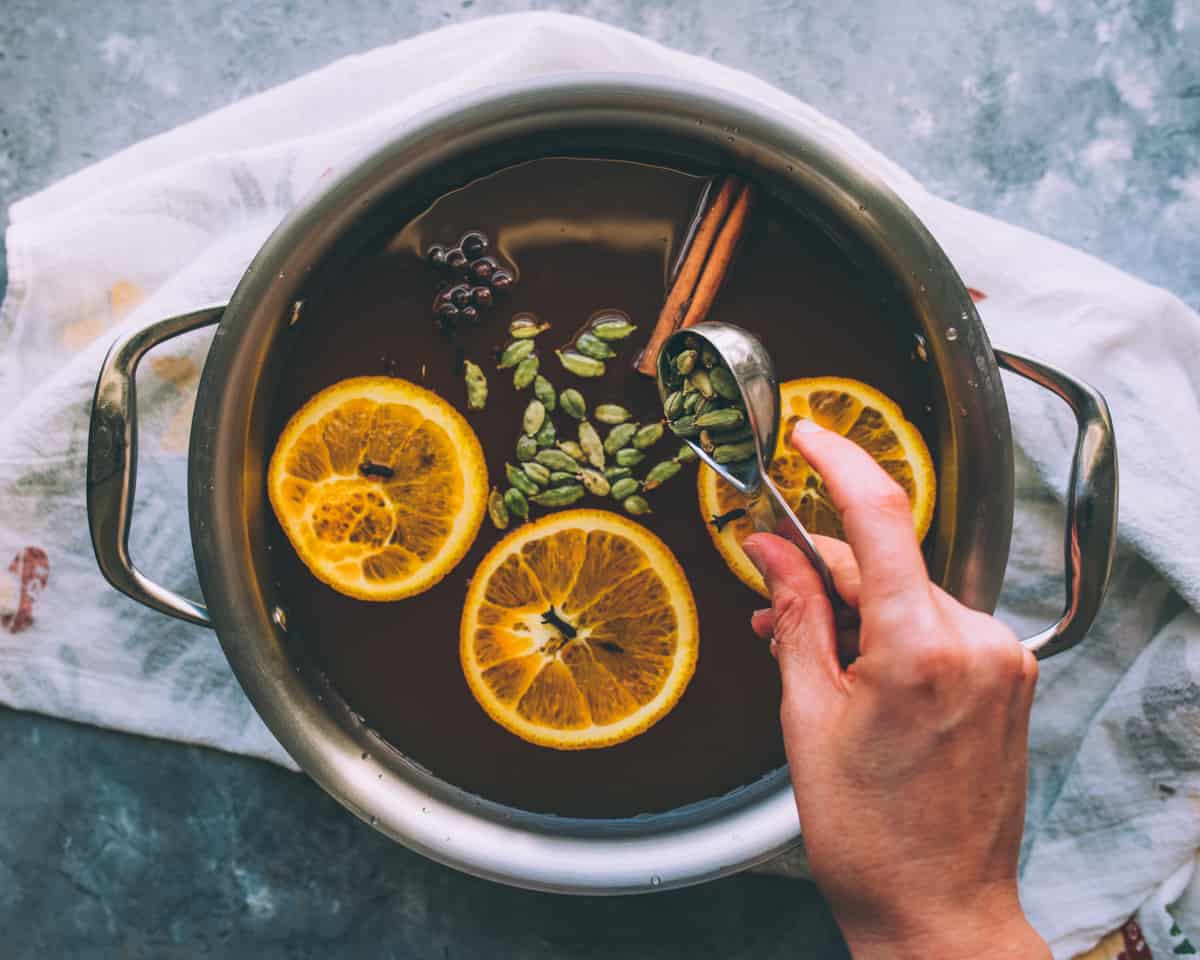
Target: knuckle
x=889, y=499
x=1003, y=661
x=938, y=660
x=1029, y=668
x=791, y=611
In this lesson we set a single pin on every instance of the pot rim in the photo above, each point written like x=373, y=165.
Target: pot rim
x=354, y=765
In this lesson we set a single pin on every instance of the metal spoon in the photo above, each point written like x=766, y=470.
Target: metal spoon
x=750, y=364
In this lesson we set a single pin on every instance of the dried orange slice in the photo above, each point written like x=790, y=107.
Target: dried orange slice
x=853, y=409
x=380, y=486
x=579, y=630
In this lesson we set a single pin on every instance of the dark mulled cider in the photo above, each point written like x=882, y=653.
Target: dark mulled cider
x=578, y=238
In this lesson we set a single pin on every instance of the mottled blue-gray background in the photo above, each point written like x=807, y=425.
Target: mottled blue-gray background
x=1075, y=118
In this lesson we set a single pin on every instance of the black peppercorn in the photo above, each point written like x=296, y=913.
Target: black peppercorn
x=474, y=245
x=460, y=296
x=456, y=259
x=482, y=270
x=447, y=313
x=436, y=255
x=501, y=281
x=469, y=315
x=481, y=296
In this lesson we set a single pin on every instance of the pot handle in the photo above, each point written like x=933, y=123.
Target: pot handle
x=112, y=465
x=1091, y=536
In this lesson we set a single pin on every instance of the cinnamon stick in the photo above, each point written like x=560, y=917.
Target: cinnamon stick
x=689, y=273
x=723, y=250
x=685, y=245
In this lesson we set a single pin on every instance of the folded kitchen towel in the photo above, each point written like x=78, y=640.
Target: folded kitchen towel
x=170, y=224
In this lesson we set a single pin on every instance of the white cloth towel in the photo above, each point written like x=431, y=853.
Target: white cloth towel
x=170, y=224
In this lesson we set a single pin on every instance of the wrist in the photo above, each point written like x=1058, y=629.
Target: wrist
x=950, y=933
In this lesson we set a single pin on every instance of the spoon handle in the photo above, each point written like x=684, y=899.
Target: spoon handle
x=770, y=512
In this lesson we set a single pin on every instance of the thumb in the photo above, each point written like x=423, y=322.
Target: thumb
x=805, y=636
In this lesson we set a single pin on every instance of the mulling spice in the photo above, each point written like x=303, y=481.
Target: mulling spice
x=477, y=385
x=704, y=404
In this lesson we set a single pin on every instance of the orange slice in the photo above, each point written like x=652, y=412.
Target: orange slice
x=579, y=630
x=379, y=485
x=853, y=409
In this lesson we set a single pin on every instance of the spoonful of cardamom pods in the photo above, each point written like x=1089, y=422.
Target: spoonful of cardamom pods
x=720, y=396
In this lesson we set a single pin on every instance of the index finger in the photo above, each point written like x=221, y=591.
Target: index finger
x=875, y=512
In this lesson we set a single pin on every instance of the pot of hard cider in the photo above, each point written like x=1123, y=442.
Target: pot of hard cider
x=251, y=365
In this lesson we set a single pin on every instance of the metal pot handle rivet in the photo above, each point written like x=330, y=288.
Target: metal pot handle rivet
x=112, y=465
x=1091, y=535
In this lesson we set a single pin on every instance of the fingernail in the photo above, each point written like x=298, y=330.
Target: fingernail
x=759, y=613
x=806, y=426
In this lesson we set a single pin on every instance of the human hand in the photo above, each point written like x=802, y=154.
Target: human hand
x=909, y=766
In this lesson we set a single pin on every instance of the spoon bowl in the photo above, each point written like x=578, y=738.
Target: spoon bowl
x=748, y=362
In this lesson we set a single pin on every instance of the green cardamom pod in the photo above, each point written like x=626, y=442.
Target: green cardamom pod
x=648, y=436
x=589, y=442
x=543, y=389
x=725, y=419
x=686, y=454
x=515, y=501
x=685, y=362
x=571, y=400
x=536, y=472
x=660, y=473
x=691, y=400
x=614, y=473
x=477, y=387
x=732, y=436
x=723, y=382
x=514, y=353
x=592, y=346
x=520, y=479
x=525, y=327
x=684, y=426
x=579, y=364
x=546, y=436
x=629, y=457
x=636, y=506
x=595, y=483
x=619, y=436
x=559, y=477
x=527, y=447
x=611, y=414
x=624, y=488
x=526, y=370
x=702, y=382
x=673, y=405
x=613, y=328
x=556, y=460
x=730, y=452
x=558, y=496
x=708, y=358
x=534, y=417
x=497, y=510
x=572, y=450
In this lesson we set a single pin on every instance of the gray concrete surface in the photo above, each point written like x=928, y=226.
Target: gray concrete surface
x=1076, y=118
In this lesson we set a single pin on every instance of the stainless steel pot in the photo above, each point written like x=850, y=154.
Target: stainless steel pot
x=607, y=115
